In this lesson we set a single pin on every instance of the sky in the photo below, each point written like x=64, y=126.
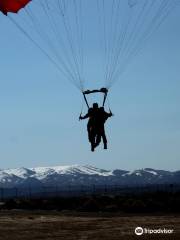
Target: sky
x=39, y=108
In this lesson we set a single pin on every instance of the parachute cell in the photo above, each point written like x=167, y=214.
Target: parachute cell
x=12, y=5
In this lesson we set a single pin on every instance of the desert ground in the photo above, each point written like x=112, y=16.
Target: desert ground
x=53, y=225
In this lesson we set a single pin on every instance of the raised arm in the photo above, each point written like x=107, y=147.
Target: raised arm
x=109, y=114
x=84, y=117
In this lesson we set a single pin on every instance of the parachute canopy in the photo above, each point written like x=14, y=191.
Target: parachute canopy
x=12, y=5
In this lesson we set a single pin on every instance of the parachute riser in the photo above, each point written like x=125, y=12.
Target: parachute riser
x=102, y=90
x=104, y=100
x=84, y=95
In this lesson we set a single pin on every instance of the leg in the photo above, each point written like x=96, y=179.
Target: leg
x=104, y=139
x=92, y=137
x=98, y=139
x=89, y=128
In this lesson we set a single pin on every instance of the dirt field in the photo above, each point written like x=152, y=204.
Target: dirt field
x=21, y=225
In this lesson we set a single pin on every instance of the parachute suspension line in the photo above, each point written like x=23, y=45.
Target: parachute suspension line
x=120, y=45
x=138, y=27
x=125, y=53
x=78, y=12
x=110, y=42
x=38, y=29
x=39, y=47
x=147, y=36
x=62, y=13
x=135, y=30
x=55, y=28
x=61, y=42
x=149, y=27
x=45, y=38
x=157, y=16
x=101, y=42
x=104, y=35
x=117, y=38
x=82, y=40
x=55, y=34
x=131, y=36
x=62, y=7
x=156, y=23
x=79, y=30
x=104, y=32
x=52, y=46
x=107, y=35
x=72, y=47
x=163, y=15
x=108, y=46
x=114, y=37
x=70, y=40
x=82, y=37
x=148, y=33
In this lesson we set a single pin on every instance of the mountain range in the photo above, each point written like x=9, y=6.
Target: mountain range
x=75, y=175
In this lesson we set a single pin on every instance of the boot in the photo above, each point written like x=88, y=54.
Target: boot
x=92, y=148
x=105, y=145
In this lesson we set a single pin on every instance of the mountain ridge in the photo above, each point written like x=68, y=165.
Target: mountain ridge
x=84, y=175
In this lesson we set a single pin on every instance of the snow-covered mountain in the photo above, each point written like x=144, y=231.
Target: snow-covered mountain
x=76, y=175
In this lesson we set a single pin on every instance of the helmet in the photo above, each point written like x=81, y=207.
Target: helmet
x=101, y=109
x=95, y=105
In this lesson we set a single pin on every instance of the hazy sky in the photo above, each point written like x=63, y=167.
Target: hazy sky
x=39, y=110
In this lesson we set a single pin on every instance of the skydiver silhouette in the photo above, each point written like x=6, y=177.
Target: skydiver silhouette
x=91, y=125
x=101, y=118
x=95, y=126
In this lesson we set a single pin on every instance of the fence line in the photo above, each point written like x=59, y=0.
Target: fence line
x=72, y=191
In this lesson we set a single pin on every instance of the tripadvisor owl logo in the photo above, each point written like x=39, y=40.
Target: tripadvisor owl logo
x=138, y=230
